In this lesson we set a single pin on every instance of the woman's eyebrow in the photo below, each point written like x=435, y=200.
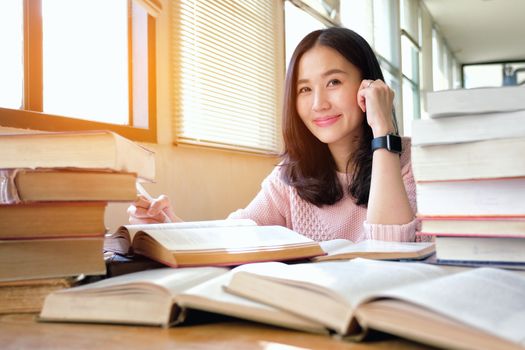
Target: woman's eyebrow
x=333, y=71
x=325, y=74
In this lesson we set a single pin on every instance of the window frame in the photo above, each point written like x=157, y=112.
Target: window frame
x=31, y=116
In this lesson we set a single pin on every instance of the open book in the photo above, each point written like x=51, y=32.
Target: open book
x=471, y=309
x=215, y=242
x=339, y=249
x=162, y=297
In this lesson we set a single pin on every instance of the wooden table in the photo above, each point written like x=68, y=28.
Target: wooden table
x=22, y=331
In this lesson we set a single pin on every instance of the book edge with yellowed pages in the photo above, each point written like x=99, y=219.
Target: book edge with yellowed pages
x=277, y=241
x=176, y=296
x=38, y=220
x=333, y=292
x=374, y=249
x=65, y=184
x=27, y=296
x=87, y=149
x=224, y=246
x=51, y=258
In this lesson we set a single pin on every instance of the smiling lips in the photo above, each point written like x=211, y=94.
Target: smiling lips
x=326, y=121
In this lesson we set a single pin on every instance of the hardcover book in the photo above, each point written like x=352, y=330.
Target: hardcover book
x=468, y=128
x=470, y=160
x=477, y=197
x=27, y=185
x=467, y=309
x=445, y=103
x=214, y=242
x=162, y=297
x=103, y=150
x=50, y=258
x=51, y=220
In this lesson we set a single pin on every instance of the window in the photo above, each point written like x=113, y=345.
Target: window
x=79, y=64
x=410, y=52
x=359, y=16
x=378, y=22
x=298, y=23
x=11, y=66
x=386, y=31
x=443, y=63
x=229, y=59
x=493, y=74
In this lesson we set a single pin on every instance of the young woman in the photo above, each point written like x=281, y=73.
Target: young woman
x=344, y=173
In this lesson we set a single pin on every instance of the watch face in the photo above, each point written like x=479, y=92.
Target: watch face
x=394, y=143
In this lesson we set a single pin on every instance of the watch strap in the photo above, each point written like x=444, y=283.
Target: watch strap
x=390, y=141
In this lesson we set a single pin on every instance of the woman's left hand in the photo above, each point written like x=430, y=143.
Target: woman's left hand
x=376, y=99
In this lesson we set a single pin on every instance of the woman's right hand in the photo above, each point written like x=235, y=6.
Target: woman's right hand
x=143, y=211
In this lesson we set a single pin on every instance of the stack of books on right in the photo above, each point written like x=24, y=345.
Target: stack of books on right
x=469, y=166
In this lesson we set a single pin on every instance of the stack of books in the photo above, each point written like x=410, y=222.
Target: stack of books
x=469, y=169
x=54, y=189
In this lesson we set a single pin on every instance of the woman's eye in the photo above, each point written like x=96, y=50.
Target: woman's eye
x=334, y=82
x=303, y=90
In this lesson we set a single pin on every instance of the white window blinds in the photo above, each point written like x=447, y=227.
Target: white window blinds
x=228, y=73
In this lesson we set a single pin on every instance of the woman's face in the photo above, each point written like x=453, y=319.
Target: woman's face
x=327, y=86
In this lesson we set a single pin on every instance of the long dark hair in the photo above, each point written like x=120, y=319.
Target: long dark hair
x=307, y=163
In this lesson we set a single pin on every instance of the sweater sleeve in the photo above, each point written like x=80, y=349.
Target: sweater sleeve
x=270, y=206
x=405, y=232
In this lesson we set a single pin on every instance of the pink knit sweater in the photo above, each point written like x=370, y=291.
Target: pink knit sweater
x=279, y=204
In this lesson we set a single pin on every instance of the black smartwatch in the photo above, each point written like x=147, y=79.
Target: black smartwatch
x=390, y=141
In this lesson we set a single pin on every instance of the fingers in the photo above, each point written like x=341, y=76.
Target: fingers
x=142, y=211
x=165, y=209
x=376, y=99
x=366, y=83
x=158, y=205
x=375, y=91
x=142, y=202
x=363, y=94
x=375, y=86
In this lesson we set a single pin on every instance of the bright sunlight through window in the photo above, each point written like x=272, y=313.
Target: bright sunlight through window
x=85, y=65
x=11, y=58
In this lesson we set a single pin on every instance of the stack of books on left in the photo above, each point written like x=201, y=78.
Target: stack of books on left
x=470, y=174
x=54, y=188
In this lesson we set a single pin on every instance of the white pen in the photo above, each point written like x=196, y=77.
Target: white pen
x=142, y=191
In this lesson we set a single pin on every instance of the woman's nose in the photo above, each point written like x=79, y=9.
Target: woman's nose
x=320, y=101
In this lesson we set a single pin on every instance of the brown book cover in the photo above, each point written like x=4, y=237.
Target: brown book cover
x=40, y=185
x=51, y=220
x=96, y=149
x=51, y=258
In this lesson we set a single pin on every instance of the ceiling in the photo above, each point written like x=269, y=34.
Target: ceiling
x=481, y=30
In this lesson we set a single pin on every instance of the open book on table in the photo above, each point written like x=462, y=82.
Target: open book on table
x=465, y=308
x=232, y=242
x=339, y=249
x=215, y=242
x=162, y=297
